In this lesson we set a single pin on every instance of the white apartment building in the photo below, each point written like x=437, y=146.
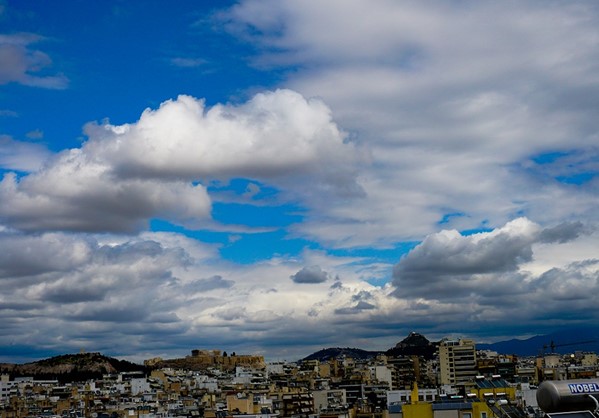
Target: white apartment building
x=457, y=361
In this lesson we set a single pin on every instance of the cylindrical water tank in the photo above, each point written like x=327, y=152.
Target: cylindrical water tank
x=567, y=395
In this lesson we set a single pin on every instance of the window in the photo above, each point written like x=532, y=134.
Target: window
x=483, y=415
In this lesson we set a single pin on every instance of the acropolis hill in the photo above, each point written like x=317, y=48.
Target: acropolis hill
x=201, y=359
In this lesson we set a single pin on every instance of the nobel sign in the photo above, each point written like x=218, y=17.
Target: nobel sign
x=568, y=395
x=576, y=388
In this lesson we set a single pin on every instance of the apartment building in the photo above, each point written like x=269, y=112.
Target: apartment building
x=329, y=400
x=457, y=361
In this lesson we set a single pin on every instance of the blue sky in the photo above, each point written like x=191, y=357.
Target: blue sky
x=274, y=177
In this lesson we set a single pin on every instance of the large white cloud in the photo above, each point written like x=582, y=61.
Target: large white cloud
x=275, y=134
x=125, y=175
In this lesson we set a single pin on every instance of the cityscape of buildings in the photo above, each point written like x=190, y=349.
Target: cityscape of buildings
x=456, y=381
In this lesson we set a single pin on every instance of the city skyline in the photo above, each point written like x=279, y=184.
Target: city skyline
x=275, y=177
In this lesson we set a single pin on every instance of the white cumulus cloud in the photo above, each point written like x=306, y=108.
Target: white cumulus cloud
x=125, y=175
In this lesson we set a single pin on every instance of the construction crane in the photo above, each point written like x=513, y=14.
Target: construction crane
x=553, y=345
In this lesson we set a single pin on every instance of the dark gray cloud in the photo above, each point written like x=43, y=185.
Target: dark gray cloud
x=359, y=307
x=362, y=295
x=113, y=314
x=310, y=275
x=202, y=285
x=577, y=282
x=450, y=264
x=132, y=252
x=66, y=293
x=16, y=306
x=337, y=285
x=562, y=233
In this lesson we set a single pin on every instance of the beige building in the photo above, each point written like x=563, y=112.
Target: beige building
x=327, y=400
x=240, y=403
x=457, y=361
x=588, y=359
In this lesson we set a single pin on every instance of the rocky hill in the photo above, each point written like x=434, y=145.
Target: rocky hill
x=337, y=352
x=71, y=367
x=414, y=345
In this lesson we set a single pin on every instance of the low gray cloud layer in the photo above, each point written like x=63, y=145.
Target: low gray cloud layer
x=71, y=291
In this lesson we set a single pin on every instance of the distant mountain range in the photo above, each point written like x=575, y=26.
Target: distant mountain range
x=562, y=342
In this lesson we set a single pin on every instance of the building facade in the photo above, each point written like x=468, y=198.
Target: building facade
x=457, y=361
